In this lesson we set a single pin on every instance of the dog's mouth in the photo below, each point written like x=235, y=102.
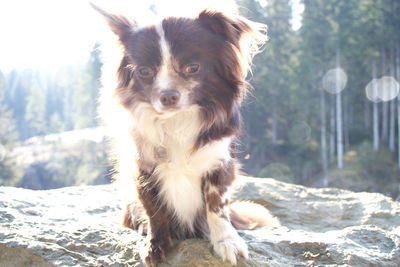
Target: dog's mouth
x=166, y=112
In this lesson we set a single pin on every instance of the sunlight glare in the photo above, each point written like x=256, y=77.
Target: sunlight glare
x=297, y=11
x=49, y=34
x=45, y=34
x=192, y=8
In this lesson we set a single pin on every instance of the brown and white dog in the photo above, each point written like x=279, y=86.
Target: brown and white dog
x=180, y=83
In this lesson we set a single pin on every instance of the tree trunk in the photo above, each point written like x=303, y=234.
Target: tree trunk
x=398, y=122
x=339, y=131
x=323, y=134
x=346, y=127
x=385, y=105
x=392, y=107
x=375, y=111
x=367, y=114
x=332, y=130
x=398, y=104
x=274, y=136
x=392, y=124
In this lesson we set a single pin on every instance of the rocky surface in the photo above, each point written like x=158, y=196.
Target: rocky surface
x=79, y=226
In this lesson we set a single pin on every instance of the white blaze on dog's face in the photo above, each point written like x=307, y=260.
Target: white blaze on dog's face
x=172, y=85
x=182, y=62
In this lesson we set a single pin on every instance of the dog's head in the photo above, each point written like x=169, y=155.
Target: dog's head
x=182, y=62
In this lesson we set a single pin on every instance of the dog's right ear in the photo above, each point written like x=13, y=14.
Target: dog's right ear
x=120, y=25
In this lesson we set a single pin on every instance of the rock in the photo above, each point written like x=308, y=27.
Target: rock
x=79, y=226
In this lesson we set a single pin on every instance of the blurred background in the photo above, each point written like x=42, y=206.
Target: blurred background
x=325, y=110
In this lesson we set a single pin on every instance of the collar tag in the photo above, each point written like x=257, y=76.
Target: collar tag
x=160, y=152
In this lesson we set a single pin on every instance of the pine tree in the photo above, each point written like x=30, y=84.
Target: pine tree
x=36, y=108
x=10, y=174
x=86, y=94
x=267, y=118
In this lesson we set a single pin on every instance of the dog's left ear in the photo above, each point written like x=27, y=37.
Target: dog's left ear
x=247, y=36
x=222, y=25
x=120, y=25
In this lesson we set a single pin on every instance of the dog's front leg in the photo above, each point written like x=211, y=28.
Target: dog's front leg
x=158, y=233
x=223, y=236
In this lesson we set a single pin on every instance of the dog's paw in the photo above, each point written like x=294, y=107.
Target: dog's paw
x=141, y=227
x=135, y=218
x=155, y=252
x=230, y=248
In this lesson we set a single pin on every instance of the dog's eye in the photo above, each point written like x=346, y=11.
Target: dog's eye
x=192, y=68
x=145, y=72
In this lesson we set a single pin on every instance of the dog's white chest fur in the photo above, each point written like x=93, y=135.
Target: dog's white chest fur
x=178, y=168
x=180, y=177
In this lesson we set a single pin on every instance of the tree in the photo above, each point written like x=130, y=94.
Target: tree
x=36, y=109
x=375, y=111
x=339, y=121
x=266, y=112
x=87, y=92
x=323, y=134
x=314, y=61
x=9, y=171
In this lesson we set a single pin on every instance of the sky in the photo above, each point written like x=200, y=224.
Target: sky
x=48, y=34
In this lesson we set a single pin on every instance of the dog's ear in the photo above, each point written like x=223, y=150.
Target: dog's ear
x=224, y=26
x=120, y=25
x=247, y=36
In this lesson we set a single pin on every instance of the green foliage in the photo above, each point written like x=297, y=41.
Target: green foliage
x=86, y=95
x=35, y=104
x=366, y=170
x=277, y=171
x=35, y=110
x=10, y=174
x=283, y=119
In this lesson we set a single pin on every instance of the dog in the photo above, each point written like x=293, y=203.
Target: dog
x=179, y=85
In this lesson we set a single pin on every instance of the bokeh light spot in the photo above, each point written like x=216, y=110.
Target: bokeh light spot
x=371, y=91
x=383, y=89
x=334, y=80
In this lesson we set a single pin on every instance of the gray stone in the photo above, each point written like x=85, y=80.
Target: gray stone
x=79, y=226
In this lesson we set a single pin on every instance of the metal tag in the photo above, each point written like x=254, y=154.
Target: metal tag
x=160, y=152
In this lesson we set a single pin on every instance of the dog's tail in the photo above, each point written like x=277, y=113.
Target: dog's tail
x=246, y=215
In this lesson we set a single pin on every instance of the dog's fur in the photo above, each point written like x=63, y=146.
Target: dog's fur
x=183, y=145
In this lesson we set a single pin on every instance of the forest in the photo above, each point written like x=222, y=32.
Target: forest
x=324, y=109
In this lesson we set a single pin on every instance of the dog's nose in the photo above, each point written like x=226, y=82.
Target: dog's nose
x=169, y=98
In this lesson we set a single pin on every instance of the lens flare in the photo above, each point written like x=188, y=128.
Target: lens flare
x=334, y=81
x=371, y=90
x=388, y=88
x=383, y=89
